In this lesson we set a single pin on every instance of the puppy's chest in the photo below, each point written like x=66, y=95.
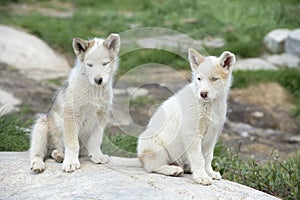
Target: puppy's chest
x=210, y=117
x=96, y=106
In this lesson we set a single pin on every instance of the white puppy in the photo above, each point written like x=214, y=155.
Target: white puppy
x=75, y=123
x=182, y=133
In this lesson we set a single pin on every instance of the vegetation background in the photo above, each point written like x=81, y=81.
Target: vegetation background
x=242, y=23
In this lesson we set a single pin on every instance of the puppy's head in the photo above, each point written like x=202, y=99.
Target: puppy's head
x=211, y=75
x=99, y=57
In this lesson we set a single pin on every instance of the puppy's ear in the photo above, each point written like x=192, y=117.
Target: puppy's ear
x=227, y=59
x=113, y=42
x=80, y=46
x=195, y=58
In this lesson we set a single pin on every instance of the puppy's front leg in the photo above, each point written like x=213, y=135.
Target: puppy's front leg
x=93, y=146
x=198, y=162
x=208, y=167
x=71, y=142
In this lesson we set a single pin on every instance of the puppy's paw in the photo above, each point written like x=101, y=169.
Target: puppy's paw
x=57, y=156
x=170, y=170
x=177, y=171
x=71, y=165
x=204, y=180
x=100, y=159
x=37, y=166
x=215, y=175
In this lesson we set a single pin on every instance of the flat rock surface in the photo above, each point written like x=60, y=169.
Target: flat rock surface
x=107, y=182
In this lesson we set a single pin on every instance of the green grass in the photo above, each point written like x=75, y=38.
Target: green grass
x=242, y=23
x=119, y=145
x=13, y=136
x=276, y=177
x=144, y=56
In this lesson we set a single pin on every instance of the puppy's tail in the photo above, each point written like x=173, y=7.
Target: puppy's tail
x=127, y=162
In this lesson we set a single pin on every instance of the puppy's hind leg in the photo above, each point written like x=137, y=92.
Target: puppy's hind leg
x=157, y=162
x=38, y=149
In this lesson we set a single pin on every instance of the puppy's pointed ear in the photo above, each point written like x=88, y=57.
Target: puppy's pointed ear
x=195, y=58
x=227, y=59
x=113, y=42
x=80, y=46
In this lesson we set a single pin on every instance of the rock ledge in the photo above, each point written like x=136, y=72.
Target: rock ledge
x=107, y=182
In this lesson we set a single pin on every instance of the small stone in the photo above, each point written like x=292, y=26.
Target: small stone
x=214, y=43
x=274, y=40
x=244, y=134
x=137, y=92
x=257, y=114
x=189, y=20
x=134, y=25
x=292, y=44
x=293, y=139
x=119, y=91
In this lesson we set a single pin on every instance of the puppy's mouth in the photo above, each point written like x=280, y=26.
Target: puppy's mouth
x=206, y=99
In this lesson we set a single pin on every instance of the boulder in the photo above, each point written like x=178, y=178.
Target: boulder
x=30, y=55
x=94, y=181
x=253, y=64
x=292, y=44
x=274, y=40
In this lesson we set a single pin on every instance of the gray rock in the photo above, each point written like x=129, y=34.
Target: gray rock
x=119, y=91
x=30, y=55
x=8, y=103
x=214, y=43
x=173, y=43
x=274, y=40
x=137, y=92
x=107, y=182
x=253, y=64
x=246, y=130
x=292, y=139
x=284, y=60
x=292, y=44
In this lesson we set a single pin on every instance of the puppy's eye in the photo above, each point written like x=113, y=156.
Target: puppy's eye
x=199, y=79
x=105, y=63
x=89, y=64
x=214, y=79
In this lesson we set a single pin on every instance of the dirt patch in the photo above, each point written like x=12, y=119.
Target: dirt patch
x=266, y=105
x=264, y=94
x=36, y=97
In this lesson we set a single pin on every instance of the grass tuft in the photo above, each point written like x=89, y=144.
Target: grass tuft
x=277, y=177
x=13, y=135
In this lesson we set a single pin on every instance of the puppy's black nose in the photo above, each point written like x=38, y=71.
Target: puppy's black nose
x=98, y=81
x=203, y=94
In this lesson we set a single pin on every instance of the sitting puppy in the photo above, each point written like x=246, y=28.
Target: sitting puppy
x=75, y=123
x=182, y=133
